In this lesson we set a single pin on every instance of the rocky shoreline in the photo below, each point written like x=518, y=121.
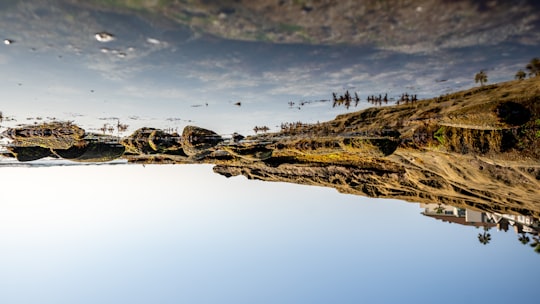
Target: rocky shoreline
x=476, y=149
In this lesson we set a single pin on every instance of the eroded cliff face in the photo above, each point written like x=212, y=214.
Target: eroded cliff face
x=476, y=149
x=423, y=177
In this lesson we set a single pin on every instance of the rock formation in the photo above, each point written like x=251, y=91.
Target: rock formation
x=475, y=149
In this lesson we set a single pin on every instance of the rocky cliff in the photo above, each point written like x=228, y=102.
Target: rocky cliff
x=476, y=149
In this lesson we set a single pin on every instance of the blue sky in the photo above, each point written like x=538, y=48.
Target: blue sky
x=170, y=234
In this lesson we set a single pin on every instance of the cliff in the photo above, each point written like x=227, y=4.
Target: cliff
x=475, y=149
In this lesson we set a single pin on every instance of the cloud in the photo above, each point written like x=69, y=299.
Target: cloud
x=151, y=92
x=225, y=80
x=60, y=90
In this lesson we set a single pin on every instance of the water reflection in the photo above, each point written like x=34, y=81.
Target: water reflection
x=191, y=68
x=464, y=149
x=375, y=99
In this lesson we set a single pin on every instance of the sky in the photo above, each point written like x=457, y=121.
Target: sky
x=183, y=234
x=170, y=234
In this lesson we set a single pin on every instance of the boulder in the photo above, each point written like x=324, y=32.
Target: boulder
x=26, y=154
x=196, y=140
x=152, y=141
x=55, y=135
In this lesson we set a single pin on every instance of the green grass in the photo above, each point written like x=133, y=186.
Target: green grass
x=439, y=135
x=289, y=28
x=261, y=36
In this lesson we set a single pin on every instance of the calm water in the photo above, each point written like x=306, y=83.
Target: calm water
x=182, y=234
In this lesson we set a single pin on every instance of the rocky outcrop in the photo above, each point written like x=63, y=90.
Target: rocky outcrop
x=152, y=141
x=250, y=152
x=461, y=181
x=197, y=140
x=64, y=140
x=55, y=135
x=476, y=149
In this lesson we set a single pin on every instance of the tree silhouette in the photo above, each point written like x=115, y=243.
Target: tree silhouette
x=120, y=127
x=534, y=67
x=480, y=77
x=536, y=244
x=524, y=239
x=484, y=238
x=520, y=75
x=263, y=129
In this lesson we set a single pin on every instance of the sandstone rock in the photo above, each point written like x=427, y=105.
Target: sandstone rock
x=152, y=141
x=56, y=135
x=196, y=140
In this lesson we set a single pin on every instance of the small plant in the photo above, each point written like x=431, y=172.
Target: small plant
x=439, y=135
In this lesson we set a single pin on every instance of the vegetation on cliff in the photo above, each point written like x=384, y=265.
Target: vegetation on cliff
x=478, y=148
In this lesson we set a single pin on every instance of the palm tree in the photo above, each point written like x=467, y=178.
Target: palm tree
x=536, y=244
x=520, y=75
x=484, y=238
x=480, y=77
x=524, y=239
x=534, y=67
